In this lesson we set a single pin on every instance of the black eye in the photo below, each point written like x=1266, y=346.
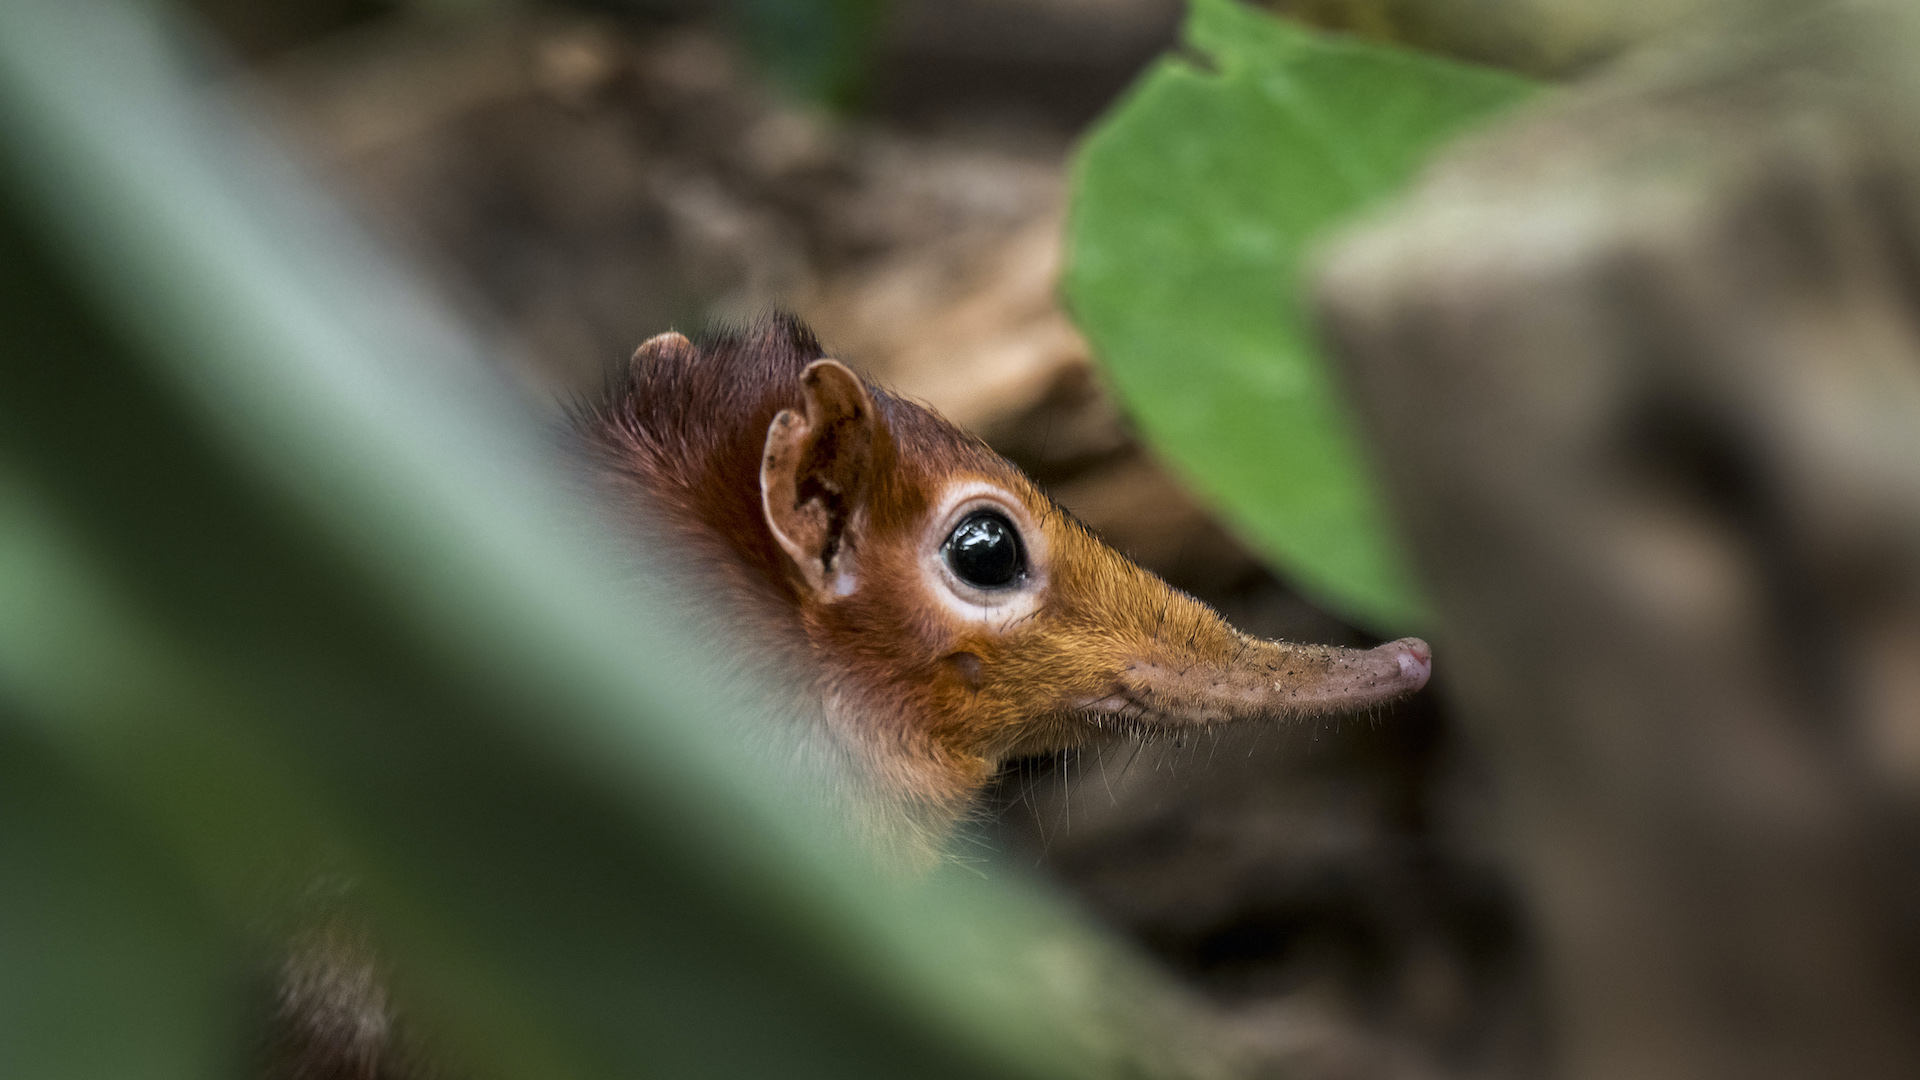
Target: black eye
x=985, y=551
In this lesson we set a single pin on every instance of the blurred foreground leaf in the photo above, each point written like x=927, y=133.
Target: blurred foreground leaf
x=108, y=966
x=1193, y=205
x=287, y=571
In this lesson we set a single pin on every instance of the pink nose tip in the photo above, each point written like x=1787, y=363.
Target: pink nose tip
x=1416, y=660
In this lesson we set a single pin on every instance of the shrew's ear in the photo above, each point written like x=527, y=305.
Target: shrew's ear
x=815, y=475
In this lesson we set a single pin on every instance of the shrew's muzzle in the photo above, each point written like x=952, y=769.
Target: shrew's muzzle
x=1249, y=679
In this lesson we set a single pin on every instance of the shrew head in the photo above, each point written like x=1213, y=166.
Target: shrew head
x=967, y=618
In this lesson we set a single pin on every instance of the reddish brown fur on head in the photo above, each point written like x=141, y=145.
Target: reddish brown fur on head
x=823, y=505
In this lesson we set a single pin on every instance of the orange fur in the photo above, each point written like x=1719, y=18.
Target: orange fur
x=833, y=576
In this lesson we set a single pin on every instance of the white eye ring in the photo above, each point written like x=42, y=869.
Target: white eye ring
x=997, y=608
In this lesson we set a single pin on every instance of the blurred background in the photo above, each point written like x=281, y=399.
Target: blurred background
x=578, y=177
x=1630, y=342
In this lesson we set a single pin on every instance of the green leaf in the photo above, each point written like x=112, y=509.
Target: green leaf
x=108, y=967
x=1194, y=203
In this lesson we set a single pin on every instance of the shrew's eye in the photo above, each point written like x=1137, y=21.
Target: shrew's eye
x=985, y=551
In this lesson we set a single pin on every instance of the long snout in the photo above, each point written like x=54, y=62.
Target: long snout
x=1251, y=679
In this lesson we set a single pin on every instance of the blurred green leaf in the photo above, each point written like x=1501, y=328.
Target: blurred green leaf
x=108, y=965
x=1194, y=203
x=286, y=568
